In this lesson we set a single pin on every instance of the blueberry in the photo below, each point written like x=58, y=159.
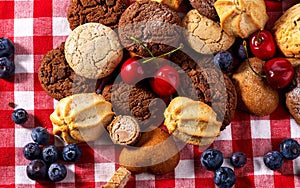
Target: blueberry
x=211, y=159
x=273, y=160
x=19, y=116
x=238, y=159
x=50, y=154
x=57, y=172
x=6, y=47
x=224, y=177
x=223, y=59
x=32, y=151
x=71, y=153
x=36, y=169
x=242, y=52
x=40, y=135
x=289, y=148
x=7, y=67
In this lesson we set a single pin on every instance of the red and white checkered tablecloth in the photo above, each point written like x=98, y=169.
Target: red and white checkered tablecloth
x=37, y=26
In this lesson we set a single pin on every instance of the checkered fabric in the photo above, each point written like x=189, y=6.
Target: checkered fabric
x=37, y=26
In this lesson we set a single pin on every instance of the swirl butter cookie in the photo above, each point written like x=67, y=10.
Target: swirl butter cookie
x=58, y=79
x=104, y=12
x=204, y=35
x=93, y=50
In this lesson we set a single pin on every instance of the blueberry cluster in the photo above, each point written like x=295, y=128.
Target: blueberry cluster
x=7, y=66
x=212, y=159
x=44, y=158
x=289, y=150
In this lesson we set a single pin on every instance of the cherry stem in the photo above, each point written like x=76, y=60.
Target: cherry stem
x=165, y=54
x=258, y=37
x=142, y=44
x=248, y=61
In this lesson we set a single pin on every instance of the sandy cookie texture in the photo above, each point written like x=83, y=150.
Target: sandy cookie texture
x=254, y=94
x=241, y=18
x=93, y=50
x=204, y=35
x=154, y=24
x=58, y=79
x=104, y=12
x=287, y=32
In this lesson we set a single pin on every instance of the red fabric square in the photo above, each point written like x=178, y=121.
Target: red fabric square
x=24, y=82
x=23, y=45
x=7, y=85
x=6, y=157
x=7, y=176
x=37, y=62
x=6, y=98
x=84, y=172
x=204, y=182
x=7, y=28
x=7, y=10
x=42, y=26
x=60, y=8
x=41, y=118
x=43, y=9
x=5, y=119
x=42, y=44
x=23, y=9
x=261, y=147
x=42, y=101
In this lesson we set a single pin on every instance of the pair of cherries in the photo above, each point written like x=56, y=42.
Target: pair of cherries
x=279, y=71
x=164, y=79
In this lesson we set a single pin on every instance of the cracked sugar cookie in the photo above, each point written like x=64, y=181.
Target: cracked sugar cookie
x=204, y=35
x=93, y=50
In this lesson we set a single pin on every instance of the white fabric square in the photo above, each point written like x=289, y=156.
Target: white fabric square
x=60, y=26
x=104, y=171
x=295, y=129
x=22, y=137
x=23, y=27
x=260, y=129
x=70, y=178
x=20, y=177
x=260, y=167
x=24, y=99
x=144, y=176
x=225, y=134
x=25, y=64
x=185, y=169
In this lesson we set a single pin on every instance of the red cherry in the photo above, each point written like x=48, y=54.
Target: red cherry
x=165, y=81
x=262, y=45
x=279, y=72
x=132, y=70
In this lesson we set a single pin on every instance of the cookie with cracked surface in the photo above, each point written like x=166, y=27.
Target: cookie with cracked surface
x=286, y=32
x=58, y=79
x=154, y=24
x=104, y=12
x=93, y=50
x=204, y=35
x=206, y=8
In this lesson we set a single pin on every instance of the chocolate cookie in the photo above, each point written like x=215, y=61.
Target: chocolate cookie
x=203, y=81
x=293, y=97
x=138, y=101
x=151, y=23
x=105, y=12
x=58, y=79
x=206, y=8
